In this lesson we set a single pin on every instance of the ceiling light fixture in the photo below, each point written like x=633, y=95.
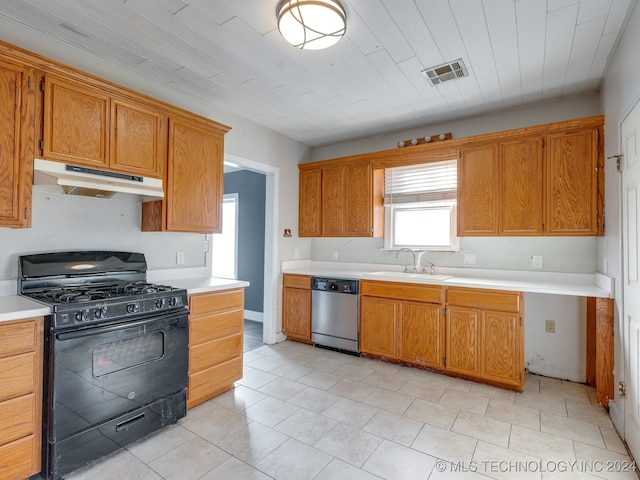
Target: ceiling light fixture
x=311, y=24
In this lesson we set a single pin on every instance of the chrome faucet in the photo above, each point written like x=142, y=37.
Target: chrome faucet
x=417, y=262
x=406, y=267
x=431, y=264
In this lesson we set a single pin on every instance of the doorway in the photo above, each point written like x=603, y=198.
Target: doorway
x=271, y=254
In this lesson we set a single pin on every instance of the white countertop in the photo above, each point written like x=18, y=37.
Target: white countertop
x=204, y=285
x=15, y=307
x=575, y=284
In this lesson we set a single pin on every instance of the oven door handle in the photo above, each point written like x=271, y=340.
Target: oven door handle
x=98, y=330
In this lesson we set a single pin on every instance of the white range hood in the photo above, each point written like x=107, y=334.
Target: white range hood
x=92, y=182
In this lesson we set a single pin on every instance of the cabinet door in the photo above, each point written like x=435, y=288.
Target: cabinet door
x=138, y=139
x=521, y=187
x=296, y=314
x=310, y=203
x=194, y=178
x=358, y=200
x=421, y=334
x=378, y=326
x=17, y=118
x=478, y=190
x=75, y=123
x=462, y=340
x=501, y=339
x=333, y=180
x=571, y=174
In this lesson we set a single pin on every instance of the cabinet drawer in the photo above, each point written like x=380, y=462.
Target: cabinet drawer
x=222, y=325
x=208, y=303
x=207, y=383
x=212, y=353
x=297, y=281
x=484, y=299
x=18, y=337
x=17, y=418
x=402, y=291
x=17, y=375
x=20, y=459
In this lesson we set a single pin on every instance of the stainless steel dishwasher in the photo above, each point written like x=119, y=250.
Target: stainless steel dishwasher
x=334, y=313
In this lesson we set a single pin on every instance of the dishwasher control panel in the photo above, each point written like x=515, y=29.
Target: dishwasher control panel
x=337, y=285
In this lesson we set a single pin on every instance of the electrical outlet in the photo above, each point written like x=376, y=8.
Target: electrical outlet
x=205, y=246
x=550, y=326
x=469, y=258
x=536, y=261
x=335, y=254
x=179, y=258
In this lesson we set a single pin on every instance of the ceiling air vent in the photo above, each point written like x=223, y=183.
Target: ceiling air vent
x=444, y=73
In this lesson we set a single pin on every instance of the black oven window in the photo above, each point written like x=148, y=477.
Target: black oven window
x=127, y=353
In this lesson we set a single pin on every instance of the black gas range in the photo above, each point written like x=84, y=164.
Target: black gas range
x=116, y=353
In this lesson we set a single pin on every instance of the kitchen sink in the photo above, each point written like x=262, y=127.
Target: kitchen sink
x=424, y=277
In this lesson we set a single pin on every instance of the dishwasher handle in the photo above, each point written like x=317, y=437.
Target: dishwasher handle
x=335, y=285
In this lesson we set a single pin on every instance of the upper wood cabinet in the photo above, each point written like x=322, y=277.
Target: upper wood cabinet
x=194, y=186
x=18, y=86
x=547, y=184
x=340, y=199
x=478, y=190
x=573, y=165
x=86, y=125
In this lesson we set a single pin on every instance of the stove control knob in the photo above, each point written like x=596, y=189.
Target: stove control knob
x=160, y=302
x=173, y=301
x=100, y=312
x=81, y=316
x=133, y=308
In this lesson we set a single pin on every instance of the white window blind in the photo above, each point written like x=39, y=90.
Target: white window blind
x=427, y=182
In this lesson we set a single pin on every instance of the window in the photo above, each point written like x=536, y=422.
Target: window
x=225, y=245
x=420, y=206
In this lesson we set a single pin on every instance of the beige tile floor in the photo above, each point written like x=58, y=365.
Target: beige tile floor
x=306, y=413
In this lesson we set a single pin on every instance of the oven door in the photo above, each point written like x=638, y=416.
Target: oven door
x=99, y=373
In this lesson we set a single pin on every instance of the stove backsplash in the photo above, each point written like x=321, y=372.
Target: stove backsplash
x=62, y=222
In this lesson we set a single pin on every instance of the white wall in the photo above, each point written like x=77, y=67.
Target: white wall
x=620, y=92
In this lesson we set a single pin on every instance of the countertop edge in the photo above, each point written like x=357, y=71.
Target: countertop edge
x=15, y=307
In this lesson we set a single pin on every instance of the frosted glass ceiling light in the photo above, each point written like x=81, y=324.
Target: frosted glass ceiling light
x=312, y=24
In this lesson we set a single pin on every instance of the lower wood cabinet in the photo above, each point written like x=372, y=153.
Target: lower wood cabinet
x=20, y=398
x=402, y=323
x=475, y=334
x=485, y=335
x=216, y=334
x=296, y=307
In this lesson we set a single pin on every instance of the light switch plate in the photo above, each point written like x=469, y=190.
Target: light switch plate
x=469, y=258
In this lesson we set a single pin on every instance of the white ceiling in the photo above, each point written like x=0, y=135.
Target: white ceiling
x=229, y=53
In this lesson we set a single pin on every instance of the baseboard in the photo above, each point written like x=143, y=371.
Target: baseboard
x=255, y=316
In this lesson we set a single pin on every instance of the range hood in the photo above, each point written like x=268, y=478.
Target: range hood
x=87, y=181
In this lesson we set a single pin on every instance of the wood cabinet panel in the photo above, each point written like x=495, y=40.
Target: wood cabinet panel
x=404, y=291
x=462, y=340
x=478, y=190
x=572, y=181
x=211, y=353
x=421, y=334
x=521, y=183
x=194, y=179
x=358, y=209
x=501, y=347
x=487, y=299
x=17, y=143
x=137, y=139
x=297, y=281
x=296, y=313
x=208, y=383
x=310, y=203
x=76, y=120
x=20, y=458
x=333, y=189
x=21, y=352
x=378, y=326
x=216, y=330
